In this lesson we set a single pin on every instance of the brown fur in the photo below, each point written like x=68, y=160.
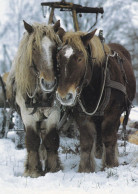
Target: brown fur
x=33, y=165
x=107, y=125
x=75, y=40
x=37, y=153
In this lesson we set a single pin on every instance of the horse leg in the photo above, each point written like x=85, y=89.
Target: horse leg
x=99, y=144
x=87, y=144
x=109, y=133
x=51, y=143
x=33, y=165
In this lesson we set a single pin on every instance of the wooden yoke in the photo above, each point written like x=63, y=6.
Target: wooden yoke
x=74, y=8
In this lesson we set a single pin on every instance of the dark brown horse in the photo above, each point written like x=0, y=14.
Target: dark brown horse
x=97, y=82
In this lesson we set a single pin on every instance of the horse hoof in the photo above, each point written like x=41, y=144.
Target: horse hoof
x=33, y=174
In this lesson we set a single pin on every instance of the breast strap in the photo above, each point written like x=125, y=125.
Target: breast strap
x=108, y=85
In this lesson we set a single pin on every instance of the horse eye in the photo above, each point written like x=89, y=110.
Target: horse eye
x=79, y=59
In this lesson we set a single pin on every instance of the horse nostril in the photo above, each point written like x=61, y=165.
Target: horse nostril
x=48, y=85
x=42, y=81
x=69, y=96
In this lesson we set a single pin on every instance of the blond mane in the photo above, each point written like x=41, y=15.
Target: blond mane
x=74, y=38
x=24, y=78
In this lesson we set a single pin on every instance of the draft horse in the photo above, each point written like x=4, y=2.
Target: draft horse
x=31, y=84
x=97, y=83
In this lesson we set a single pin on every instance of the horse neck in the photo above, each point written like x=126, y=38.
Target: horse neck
x=94, y=65
x=91, y=92
x=96, y=78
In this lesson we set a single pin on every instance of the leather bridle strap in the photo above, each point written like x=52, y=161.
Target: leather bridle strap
x=84, y=81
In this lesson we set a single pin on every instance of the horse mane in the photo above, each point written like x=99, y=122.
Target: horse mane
x=24, y=78
x=74, y=38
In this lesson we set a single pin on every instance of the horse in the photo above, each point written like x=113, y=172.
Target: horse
x=31, y=88
x=97, y=84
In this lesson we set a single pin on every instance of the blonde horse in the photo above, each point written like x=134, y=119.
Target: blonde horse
x=31, y=84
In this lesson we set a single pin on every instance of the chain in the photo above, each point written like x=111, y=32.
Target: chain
x=103, y=86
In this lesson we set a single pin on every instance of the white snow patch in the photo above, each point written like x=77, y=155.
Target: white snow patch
x=118, y=180
x=69, y=52
x=134, y=114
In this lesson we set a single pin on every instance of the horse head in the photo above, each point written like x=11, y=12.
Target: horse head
x=43, y=41
x=72, y=61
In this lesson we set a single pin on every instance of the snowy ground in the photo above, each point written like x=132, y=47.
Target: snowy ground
x=119, y=180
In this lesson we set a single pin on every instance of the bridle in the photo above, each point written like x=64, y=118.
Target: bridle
x=84, y=80
x=37, y=74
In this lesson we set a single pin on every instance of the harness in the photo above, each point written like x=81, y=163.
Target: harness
x=35, y=104
x=107, y=83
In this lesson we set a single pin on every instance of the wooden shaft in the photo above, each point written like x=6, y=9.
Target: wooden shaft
x=51, y=16
x=75, y=20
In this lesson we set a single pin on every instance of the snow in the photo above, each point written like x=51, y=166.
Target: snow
x=118, y=180
x=134, y=116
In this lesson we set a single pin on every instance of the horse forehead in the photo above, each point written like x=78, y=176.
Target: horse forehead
x=68, y=51
x=47, y=42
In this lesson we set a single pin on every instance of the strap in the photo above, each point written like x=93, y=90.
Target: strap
x=108, y=85
x=100, y=111
x=65, y=119
x=116, y=85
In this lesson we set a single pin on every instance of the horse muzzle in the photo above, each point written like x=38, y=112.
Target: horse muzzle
x=48, y=86
x=68, y=100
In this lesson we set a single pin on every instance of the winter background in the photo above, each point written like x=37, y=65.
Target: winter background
x=120, y=24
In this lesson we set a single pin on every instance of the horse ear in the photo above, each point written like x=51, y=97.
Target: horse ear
x=61, y=32
x=86, y=38
x=28, y=27
x=56, y=26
